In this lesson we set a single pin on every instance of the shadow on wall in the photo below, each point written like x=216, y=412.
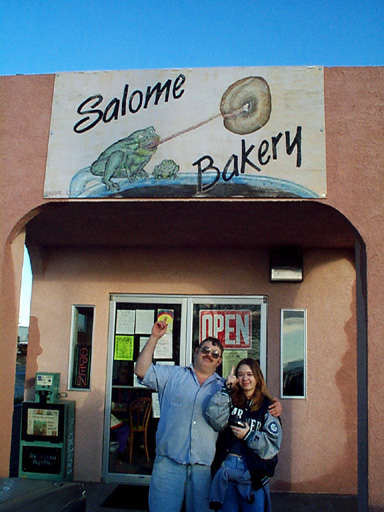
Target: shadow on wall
x=346, y=374
x=34, y=350
x=24, y=390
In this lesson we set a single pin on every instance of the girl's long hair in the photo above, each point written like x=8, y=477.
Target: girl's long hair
x=238, y=397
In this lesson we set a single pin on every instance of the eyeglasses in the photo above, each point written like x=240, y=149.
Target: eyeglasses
x=241, y=375
x=214, y=353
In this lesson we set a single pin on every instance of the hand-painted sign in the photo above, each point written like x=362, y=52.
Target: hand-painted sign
x=232, y=327
x=215, y=132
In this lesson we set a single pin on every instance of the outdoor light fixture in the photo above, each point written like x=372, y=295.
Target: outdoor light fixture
x=286, y=264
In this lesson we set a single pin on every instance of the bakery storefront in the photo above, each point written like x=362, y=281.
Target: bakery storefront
x=212, y=199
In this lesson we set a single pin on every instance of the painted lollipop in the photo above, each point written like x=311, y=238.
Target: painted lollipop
x=245, y=107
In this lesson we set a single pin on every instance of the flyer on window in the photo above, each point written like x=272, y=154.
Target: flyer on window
x=164, y=346
x=125, y=321
x=124, y=348
x=144, y=321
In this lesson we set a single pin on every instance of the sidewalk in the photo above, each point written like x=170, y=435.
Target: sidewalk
x=14, y=489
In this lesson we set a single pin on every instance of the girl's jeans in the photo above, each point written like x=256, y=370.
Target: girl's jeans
x=232, y=487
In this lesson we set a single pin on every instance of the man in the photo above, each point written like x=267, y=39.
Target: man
x=185, y=443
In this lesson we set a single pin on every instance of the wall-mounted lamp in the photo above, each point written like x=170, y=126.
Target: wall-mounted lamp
x=286, y=264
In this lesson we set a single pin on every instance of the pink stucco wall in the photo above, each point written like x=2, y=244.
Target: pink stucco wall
x=25, y=104
x=320, y=424
x=354, y=104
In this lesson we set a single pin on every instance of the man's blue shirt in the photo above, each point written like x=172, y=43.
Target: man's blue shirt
x=183, y=433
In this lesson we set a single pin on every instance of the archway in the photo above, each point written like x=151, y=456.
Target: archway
x=239, y=224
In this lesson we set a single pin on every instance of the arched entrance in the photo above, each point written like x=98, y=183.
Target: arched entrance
x=147, y=247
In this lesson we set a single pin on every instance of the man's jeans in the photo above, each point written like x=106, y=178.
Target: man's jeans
x=169, y=482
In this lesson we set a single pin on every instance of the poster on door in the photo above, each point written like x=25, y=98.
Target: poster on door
x=232, y=327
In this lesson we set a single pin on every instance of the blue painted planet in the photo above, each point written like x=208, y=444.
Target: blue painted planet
x=85, y=185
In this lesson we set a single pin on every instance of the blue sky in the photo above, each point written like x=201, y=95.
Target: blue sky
x=45, y=36
x=48, y=36
x=25, y=295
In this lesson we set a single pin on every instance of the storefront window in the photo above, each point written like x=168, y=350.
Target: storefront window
x=293, y=353
x=81, y=347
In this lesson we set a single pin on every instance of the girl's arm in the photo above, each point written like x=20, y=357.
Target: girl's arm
x=266, y=442
x=217, y=412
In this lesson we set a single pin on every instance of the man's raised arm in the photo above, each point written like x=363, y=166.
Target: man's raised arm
x=144, y=360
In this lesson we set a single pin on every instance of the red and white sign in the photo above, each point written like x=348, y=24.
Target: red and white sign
x=232, y=327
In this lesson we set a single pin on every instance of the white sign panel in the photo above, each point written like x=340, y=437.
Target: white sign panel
x=232, y=328
x=215, y=132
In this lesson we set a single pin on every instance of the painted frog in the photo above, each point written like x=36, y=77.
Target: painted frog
x=126, y=158
x=166, y=169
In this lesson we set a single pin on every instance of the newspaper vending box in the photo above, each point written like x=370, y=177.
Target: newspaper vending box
x=47, y=432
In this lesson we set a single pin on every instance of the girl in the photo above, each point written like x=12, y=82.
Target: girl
x=248, y=442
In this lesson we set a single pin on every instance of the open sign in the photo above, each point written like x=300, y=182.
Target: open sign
x=232, y=327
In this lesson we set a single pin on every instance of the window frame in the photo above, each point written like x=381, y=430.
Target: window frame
x=283, y=334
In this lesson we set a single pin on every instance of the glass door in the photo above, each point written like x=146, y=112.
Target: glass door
x=132, y=410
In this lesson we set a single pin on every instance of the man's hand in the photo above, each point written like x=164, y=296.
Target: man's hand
x=275, y=408
x=159, y=328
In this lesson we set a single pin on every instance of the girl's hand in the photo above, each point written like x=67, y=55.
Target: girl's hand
x=240, y=432
x=231, y=379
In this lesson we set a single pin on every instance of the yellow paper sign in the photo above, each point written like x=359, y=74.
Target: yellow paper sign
x=124, y=348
